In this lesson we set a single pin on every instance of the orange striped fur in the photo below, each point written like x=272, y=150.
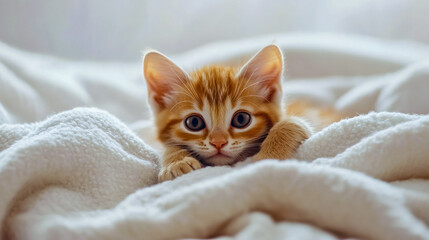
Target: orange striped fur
x=220, y=97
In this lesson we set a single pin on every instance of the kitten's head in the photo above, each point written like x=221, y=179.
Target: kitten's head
x=219, y=114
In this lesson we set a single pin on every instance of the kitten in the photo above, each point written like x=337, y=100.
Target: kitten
x=219, y=115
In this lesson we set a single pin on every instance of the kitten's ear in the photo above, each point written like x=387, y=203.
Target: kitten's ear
x=162, y=76
x=265, y=70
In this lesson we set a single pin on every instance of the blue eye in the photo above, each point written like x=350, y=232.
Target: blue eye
x=240, y=120
x=195, y=123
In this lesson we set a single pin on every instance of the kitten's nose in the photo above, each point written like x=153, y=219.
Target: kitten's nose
x=218, y=138
x=218, y=143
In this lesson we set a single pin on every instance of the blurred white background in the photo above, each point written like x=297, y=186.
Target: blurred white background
x=120, y=30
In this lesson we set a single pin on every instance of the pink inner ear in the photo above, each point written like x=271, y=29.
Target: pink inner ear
x=265, y=69
x=161, y=75
x=159, y=92
x=266, y=64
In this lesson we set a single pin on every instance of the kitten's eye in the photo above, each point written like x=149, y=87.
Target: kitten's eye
x=195, y=123
x=240, y=120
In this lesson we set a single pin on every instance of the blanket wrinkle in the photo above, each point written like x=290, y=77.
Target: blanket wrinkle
x=69, y=170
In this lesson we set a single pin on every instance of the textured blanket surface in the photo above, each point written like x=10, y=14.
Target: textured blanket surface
x=78, y=157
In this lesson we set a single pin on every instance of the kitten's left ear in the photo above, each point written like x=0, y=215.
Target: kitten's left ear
x=265, y=70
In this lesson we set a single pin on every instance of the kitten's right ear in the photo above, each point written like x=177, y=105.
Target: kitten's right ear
x=161, y=75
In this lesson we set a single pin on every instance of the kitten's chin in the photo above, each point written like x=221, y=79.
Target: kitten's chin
x=219, y=160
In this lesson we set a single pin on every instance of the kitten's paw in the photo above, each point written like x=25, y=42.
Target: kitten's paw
x=284, y=139
x=179, y=168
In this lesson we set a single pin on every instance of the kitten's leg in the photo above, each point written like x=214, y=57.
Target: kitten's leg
x=284, y=139
x=176, y=161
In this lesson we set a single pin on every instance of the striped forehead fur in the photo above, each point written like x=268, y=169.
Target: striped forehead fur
x=214, y=83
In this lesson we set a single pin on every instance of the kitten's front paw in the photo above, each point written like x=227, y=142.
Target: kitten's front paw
x=284, y=139
x=178, y=168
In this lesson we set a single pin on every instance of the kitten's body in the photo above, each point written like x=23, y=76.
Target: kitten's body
x=219, y=115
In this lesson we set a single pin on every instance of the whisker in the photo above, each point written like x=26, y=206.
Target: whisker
x=255, y=95
x=184, y=84
x=181, y=102
x=254, y=104
x=248, y=80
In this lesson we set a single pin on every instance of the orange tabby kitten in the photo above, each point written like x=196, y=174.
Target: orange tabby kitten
x=220, y=115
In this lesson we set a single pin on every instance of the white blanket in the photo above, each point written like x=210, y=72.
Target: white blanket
x=84, y=174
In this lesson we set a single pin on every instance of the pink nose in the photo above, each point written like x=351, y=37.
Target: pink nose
x=219, y=143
